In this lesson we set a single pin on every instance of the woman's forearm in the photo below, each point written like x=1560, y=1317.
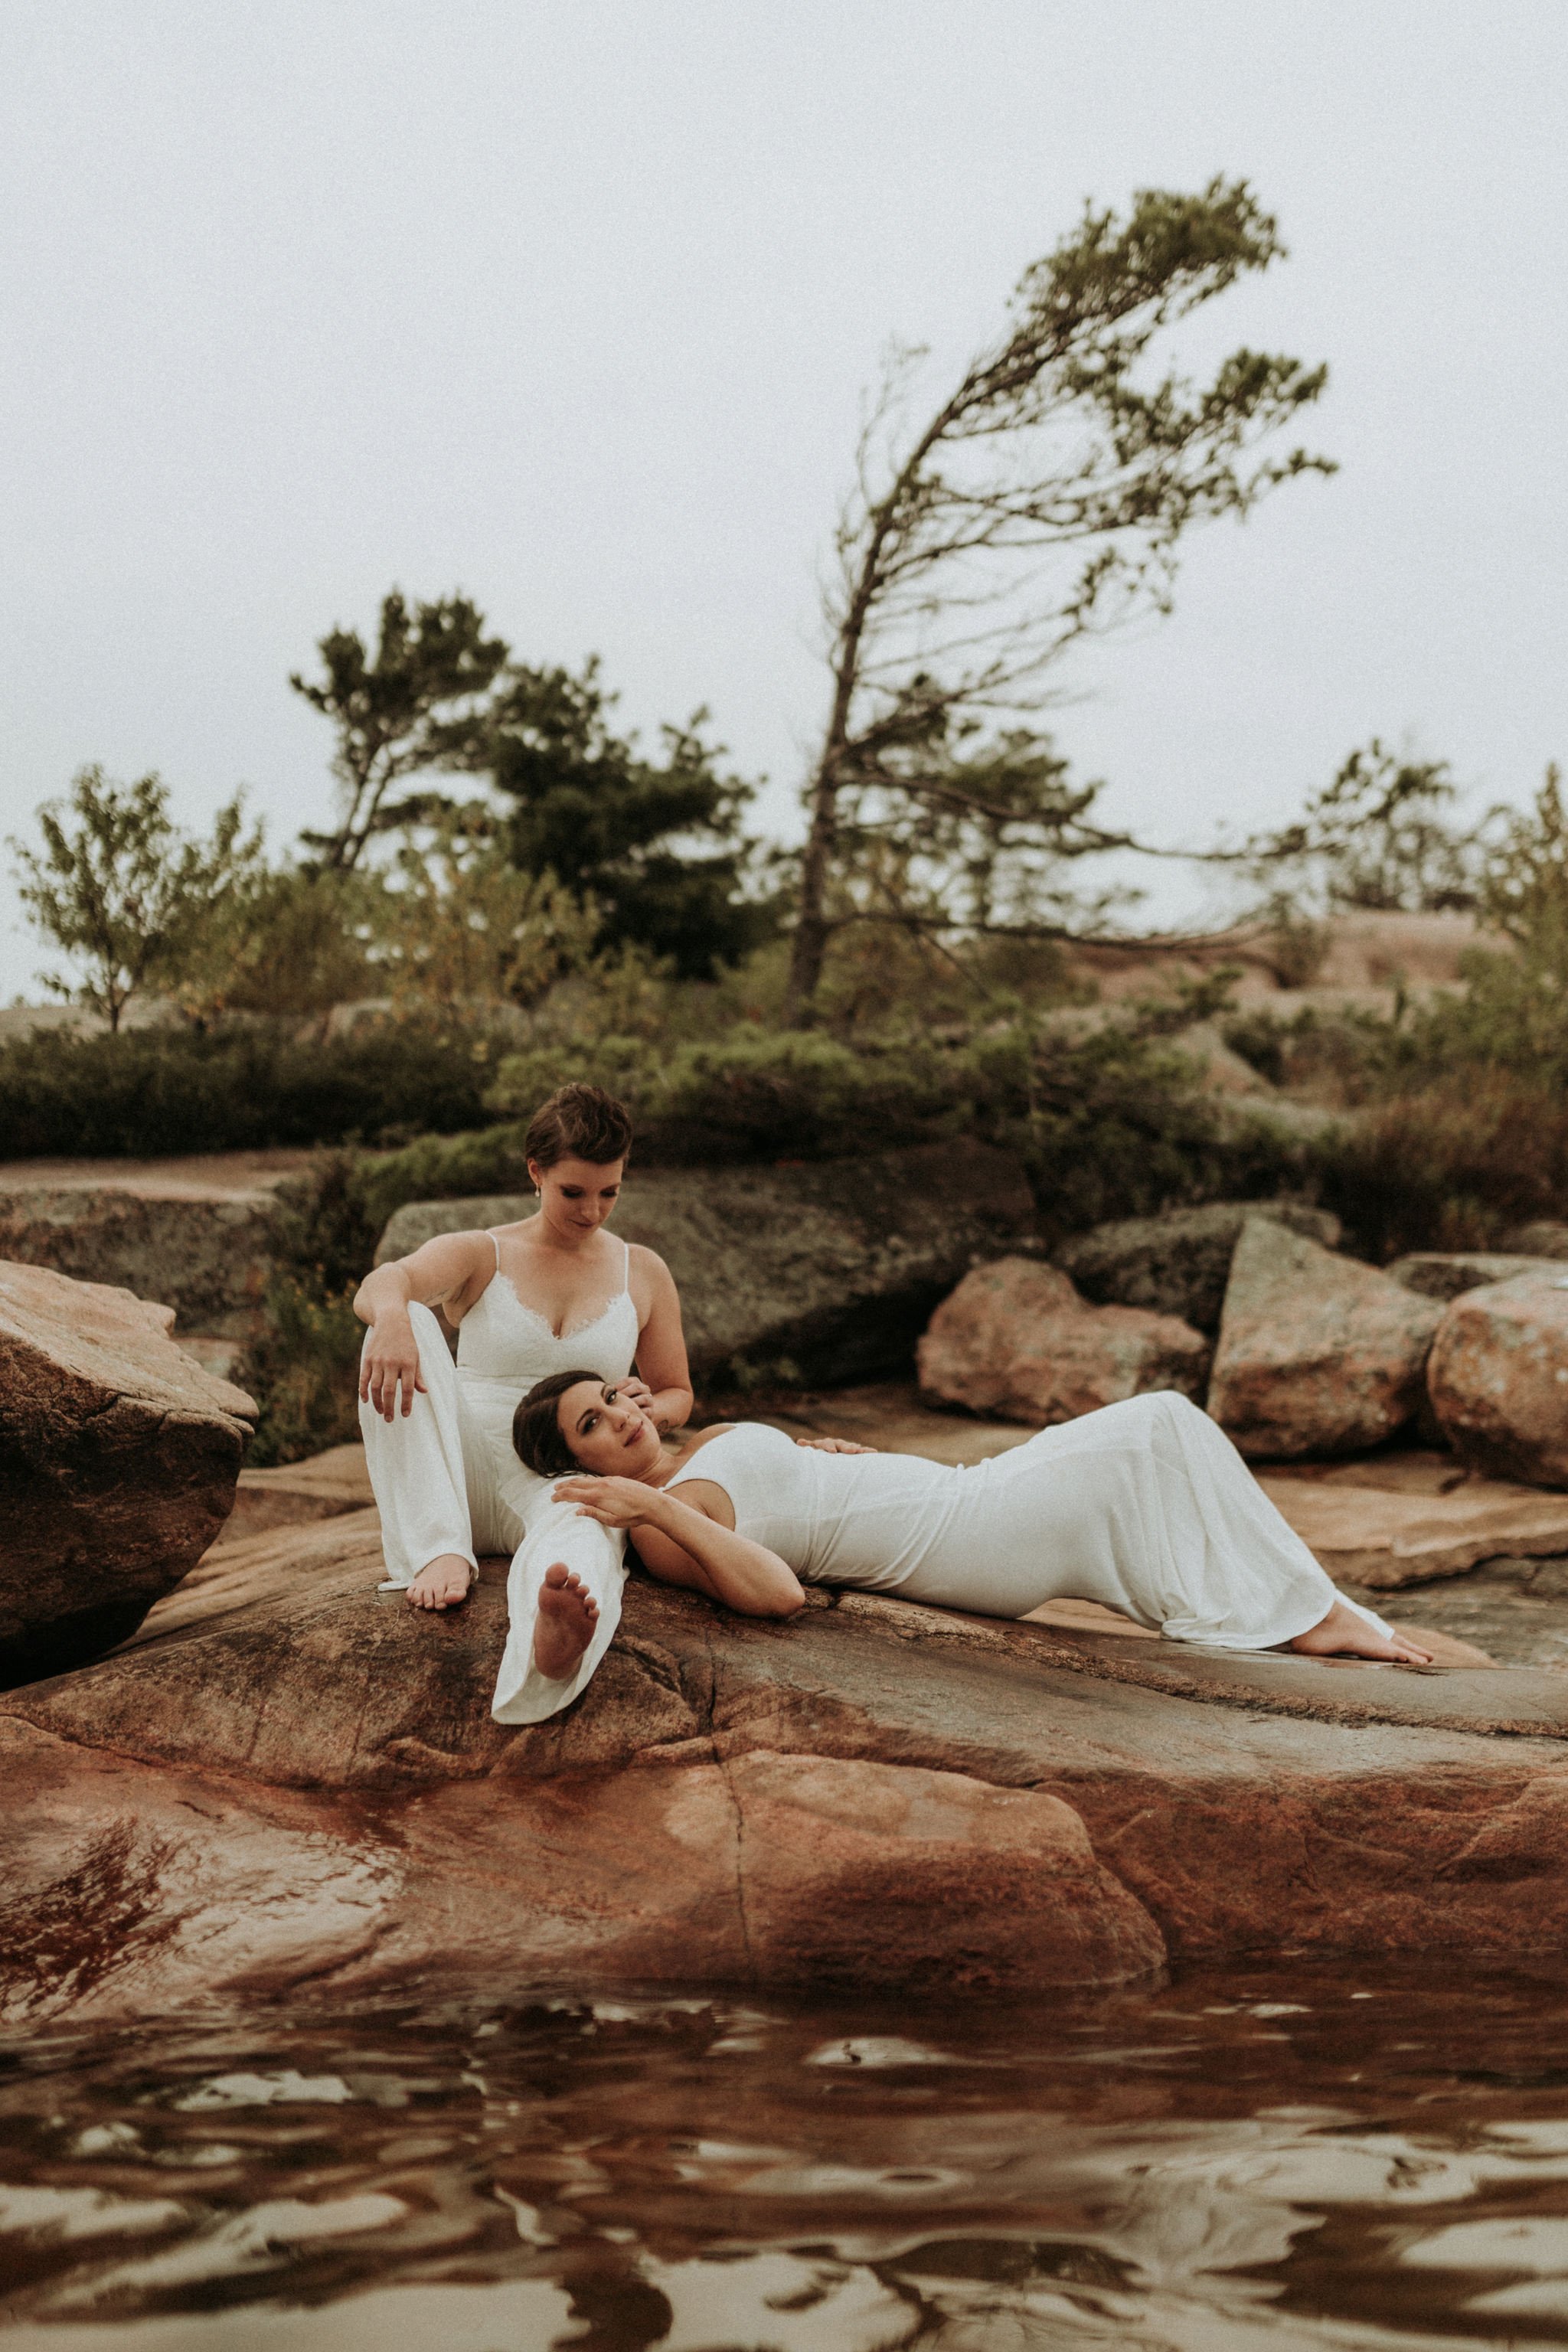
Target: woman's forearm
x=385, y=1290
x=745, y=1575
x=671, y=1408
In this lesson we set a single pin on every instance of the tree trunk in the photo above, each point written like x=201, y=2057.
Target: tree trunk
x=812, y=932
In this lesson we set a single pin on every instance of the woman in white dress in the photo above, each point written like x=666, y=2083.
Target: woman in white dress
x=1144, y=1506
x=528, y=1300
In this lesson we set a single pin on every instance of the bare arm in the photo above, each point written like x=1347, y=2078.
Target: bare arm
x=679, y=1543
x=665, y=1376
x=443, y=1270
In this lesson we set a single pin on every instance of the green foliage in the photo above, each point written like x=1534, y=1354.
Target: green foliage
x=416, y=705
x=303, y=1372
x=1042, y=498
x=1524, y=885
x=657, y=845
x=281, y=940
x=438, y=1168
x=462, y=928
x=1378, y=836
x=120, y=887
x=148, y=1092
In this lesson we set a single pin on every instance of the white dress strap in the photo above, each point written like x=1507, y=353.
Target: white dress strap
x=626, y=1269
x=496, y=1246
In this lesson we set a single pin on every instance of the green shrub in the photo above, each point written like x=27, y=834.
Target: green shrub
x=148, y=1092
x=1450, y=1167
x=302, y=1370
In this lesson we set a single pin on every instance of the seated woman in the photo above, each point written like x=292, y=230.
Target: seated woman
x=1145, y=1507
x=528, y=1299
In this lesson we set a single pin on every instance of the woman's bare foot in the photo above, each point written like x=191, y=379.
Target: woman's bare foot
x=1342, y=1634
x=567, y=1616
x=441, y=1584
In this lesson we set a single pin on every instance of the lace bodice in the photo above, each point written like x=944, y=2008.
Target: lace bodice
x=502, y=1338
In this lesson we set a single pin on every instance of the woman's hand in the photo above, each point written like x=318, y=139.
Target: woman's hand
x=391, y=1361
x=635, y=1391
x=614, y=1502
x=833, y=1445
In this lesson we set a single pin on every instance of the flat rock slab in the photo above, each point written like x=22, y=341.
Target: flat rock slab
x=1384, y=1540
x=320, y=1489
x=203, y=1250
x=1445, y=1274
x=118, y=1457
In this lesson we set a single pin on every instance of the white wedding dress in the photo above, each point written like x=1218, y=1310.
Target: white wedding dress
x=1144, y=1506
x=448, y=1481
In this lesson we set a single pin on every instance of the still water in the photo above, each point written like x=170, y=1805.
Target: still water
x=1218, y=2164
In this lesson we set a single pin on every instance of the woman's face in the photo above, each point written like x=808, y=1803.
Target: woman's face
x=606, y=1431
x=577, y=1195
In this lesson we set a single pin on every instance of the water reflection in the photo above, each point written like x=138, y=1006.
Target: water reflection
x=1231, y=2164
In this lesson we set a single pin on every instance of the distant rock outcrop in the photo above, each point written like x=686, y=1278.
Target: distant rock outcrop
x=1179, y=1264
x=1317, y=1354
x=829, y=1268
x=118, y=1461
x=1499, y=1377
x=1016, y=1338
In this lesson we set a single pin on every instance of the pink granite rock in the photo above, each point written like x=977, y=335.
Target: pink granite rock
x=1317, y=1353
x=118, y=1461
x=1016, y=1338
x=1499, y=1377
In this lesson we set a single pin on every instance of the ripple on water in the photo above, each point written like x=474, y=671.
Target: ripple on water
x=1237, y=2163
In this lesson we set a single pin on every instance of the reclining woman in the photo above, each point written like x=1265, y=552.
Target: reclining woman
x=527, y=1300
x=1145, y=1507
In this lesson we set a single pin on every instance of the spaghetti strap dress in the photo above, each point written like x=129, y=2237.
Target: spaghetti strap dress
x=1144, y=1506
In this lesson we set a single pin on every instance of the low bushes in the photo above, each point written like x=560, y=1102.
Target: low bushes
x=148, y=1092
x=1450, y=1166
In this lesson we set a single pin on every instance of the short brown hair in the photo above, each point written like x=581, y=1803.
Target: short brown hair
x=578, y=1123
x=536, y=1434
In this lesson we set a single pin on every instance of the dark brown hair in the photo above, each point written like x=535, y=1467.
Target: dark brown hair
x=536, y=1434
x=578, y=1123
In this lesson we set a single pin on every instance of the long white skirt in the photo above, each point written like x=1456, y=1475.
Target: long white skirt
x=447, y=1483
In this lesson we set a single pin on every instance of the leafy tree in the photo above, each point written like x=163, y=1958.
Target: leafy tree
x=420, y=703
x=462, y=927
x=1041, y=501
x=657, y=844
x=286, y=939
x=1378, y=836
x=118, y=886
x=1524, y=881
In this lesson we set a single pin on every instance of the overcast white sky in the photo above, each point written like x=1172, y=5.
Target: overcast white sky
x=571, y=305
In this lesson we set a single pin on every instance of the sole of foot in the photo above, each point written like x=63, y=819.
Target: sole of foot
x=567, y=1616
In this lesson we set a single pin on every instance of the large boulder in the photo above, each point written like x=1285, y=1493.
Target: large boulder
x=1016, y=1338
x=118, y=1461
x=1317, y=1354
x=1541, y=1238
x=1179, y=1264
x=1499, y=1377
x=201, y=1248
x=826, y=1272
x=1449, y=1273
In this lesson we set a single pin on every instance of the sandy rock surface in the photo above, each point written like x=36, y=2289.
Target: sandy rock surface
x=1015, y=1340
x=118, y=1457
x=1179, y=1264
x=1499, y=1377
x=1317, y=1354
x=832, y=1267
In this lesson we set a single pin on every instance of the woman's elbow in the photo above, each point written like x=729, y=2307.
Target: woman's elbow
x=785, y=1597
